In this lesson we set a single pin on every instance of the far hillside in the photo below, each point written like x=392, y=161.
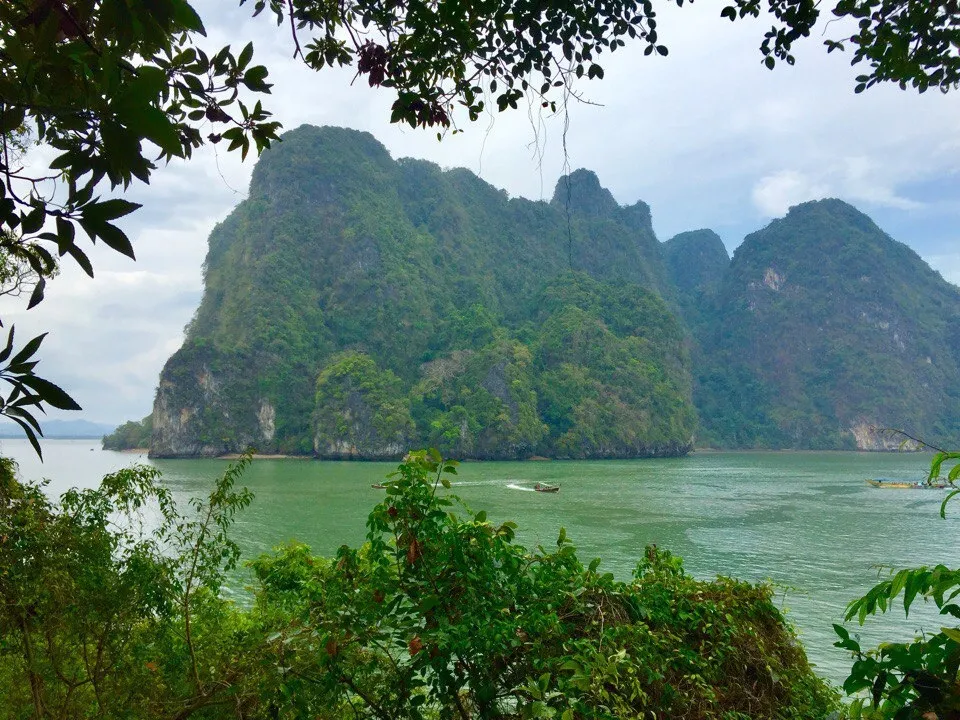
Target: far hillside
x=61, y=429
x=822, y=330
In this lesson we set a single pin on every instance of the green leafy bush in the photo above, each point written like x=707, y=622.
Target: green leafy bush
x=101, y=617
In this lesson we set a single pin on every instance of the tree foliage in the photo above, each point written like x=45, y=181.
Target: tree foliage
x=131, y=435
x=437, y=55
x=910, y=43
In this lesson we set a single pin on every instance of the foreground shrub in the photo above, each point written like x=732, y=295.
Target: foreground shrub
x=102, y=617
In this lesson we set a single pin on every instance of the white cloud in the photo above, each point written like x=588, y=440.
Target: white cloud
x=775, y=194
x=865, y=179
x=855, y=179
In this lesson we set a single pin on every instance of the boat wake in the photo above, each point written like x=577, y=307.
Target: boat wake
x=514, y=486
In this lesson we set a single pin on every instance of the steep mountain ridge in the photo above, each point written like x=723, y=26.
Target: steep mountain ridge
x=824, y=328
x=356, y=305
x=696, y=262
x=339, y=248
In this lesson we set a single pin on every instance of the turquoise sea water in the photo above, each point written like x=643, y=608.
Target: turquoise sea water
x=804, y=521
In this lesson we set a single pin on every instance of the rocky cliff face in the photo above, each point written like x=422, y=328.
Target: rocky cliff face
x=341, y=249
x=200, y=408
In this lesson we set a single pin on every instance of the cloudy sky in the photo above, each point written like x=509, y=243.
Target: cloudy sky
x=706, y=136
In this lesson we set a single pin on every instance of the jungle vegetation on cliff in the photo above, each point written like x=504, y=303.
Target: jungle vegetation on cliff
x=356, y=305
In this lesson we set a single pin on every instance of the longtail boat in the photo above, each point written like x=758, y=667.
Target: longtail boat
x=540, y=487
x=889, y=484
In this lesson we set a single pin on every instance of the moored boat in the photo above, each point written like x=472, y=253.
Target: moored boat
x=890, y=484
x=541, y=487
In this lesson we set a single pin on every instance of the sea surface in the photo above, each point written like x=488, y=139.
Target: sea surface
x=805, y=521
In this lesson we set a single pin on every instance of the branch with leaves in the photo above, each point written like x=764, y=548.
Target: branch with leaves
x=913, y=44
x=112, y=88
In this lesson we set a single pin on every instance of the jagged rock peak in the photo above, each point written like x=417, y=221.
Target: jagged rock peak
x=638, y=216
x=581, y=192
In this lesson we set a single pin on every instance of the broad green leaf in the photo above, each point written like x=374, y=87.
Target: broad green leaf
x=28, y=350
x=952, y=633
x=51, y=393
x=33, y=221
x=81, y=258
x=109, y=210
x=66, y=232
x=115, y=238
x=245, y=56
x=943, y=505
x=157, y=127
x=5, y=353
x=29, y=432
x=36, y=297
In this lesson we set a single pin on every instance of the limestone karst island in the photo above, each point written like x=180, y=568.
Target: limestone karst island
x=356, y=305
